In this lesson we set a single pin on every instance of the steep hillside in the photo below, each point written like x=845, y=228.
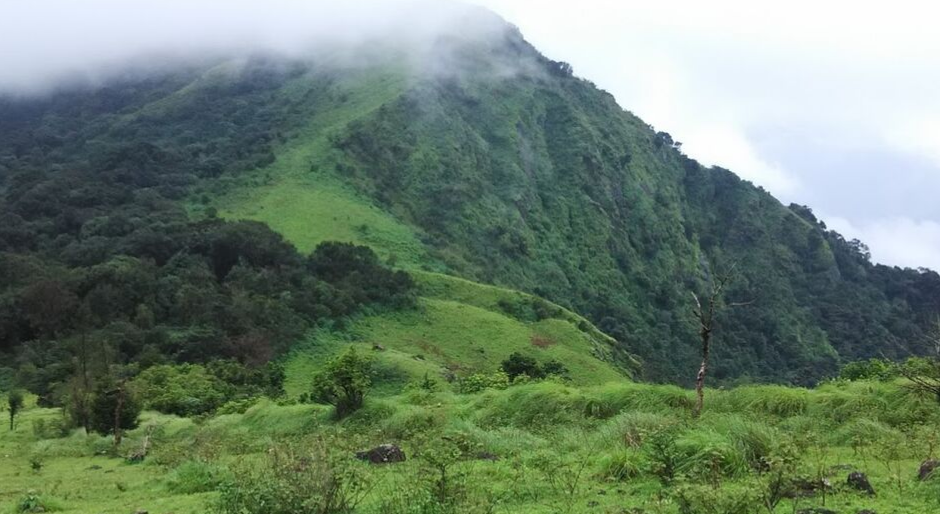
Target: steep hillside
x=480, y=158
x=522, y=175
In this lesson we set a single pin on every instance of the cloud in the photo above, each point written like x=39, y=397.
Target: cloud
x=725, y=146
x=900, y=242
x=919, y=137
x=43, y=42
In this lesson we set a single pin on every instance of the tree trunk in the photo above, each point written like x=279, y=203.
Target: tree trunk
x=700, y=378
x=117, y=415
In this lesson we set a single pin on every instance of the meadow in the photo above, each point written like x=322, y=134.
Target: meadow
x=540, y=447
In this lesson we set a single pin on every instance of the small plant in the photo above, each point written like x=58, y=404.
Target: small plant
x=664, y=457
x=32, y=502
x=439, y=459
x=36, y=464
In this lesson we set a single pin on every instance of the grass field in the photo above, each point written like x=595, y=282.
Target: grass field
x=540, y=448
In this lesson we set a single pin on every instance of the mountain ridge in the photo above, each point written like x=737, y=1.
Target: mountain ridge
x=502, y=167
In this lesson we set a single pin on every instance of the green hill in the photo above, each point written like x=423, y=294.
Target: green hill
x=484, y=160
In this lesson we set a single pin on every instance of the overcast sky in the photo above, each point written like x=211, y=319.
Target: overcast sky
x=833, y=104
x=827, y=103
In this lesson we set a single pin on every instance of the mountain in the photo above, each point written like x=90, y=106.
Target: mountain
x=478, y=158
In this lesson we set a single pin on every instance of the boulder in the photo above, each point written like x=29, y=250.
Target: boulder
x=382, y=454
x=485, y=455
x=927, y=468
x=858, y=481
x=807, y=487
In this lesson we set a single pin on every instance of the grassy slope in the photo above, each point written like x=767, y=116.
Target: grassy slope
x=309, y=205
x=458, y=327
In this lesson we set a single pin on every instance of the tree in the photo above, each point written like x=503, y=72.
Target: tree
x=705, y=317
x=344, y=382
x=518, y=364
x=114, y=409
x=15, y=402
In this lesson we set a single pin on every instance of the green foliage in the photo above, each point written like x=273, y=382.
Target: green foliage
x=114, y=406
x=15, y=404
x=621, y=465
x=194, y=476
x=32, y=502
x=709, y=499
x=872, y=369
x=294, y=479
x=477, y=382
x=184, y=390
x=344, y=382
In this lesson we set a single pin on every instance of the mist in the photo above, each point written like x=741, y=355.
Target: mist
x=48, y=43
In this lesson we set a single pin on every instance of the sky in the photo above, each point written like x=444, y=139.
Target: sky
x=831, y=104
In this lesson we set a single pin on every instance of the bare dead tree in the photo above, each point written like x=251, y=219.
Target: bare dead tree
x=118, y=409
x=705, y=317
x=925, y=379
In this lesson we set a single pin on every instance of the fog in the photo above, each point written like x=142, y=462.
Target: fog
x=48, y=42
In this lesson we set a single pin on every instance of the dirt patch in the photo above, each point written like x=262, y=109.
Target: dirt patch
x=541, y=341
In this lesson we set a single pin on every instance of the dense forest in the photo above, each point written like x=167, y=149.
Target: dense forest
x=104, y=273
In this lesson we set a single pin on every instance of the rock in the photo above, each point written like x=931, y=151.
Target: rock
x=805, y=487
x=927, y=468
x=866, y=511
x=141, y=511
x=487, y=456
x=382, y=454
x=839, y=468
x=859, y=482
x=377, y=347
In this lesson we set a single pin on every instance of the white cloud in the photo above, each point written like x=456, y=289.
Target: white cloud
x=919, y=137
x=726, y=147
x=901, y=242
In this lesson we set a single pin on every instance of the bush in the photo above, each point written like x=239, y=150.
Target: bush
x=480, y=381
x=872, y=369
x=184, y=390
x=344, y=382
x=621, y=465
x=518, y=365
x=32, y=502
x=195, y=476
x=55, y=428
x=294, y=480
